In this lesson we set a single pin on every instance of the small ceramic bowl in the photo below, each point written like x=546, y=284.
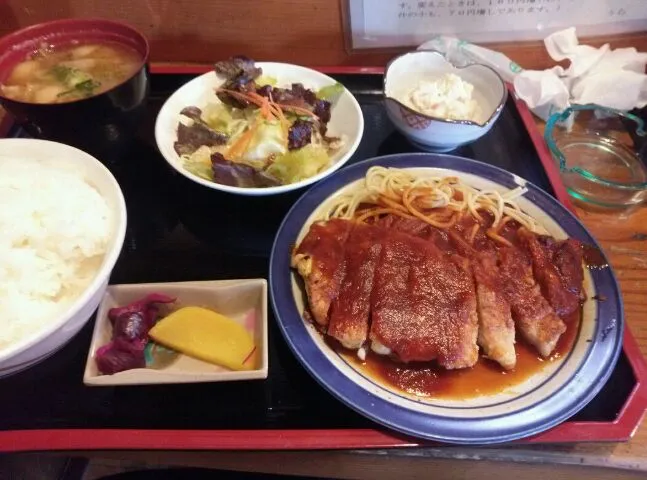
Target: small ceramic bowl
x=438, y=134
x=244, y=301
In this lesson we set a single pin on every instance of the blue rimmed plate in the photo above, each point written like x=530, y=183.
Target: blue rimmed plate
x=543, y=400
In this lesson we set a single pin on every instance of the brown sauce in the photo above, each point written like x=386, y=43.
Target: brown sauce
x=428, y=380
x=486, y=377
x=593, y=257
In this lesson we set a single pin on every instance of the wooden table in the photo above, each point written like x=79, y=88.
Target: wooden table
x=623, y=235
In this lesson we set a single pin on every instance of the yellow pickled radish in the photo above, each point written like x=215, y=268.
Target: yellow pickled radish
x=206, y=335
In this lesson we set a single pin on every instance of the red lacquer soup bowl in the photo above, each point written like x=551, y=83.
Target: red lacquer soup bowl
x=92, y=123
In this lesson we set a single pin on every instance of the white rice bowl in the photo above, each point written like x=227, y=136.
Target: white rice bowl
x=62, y=226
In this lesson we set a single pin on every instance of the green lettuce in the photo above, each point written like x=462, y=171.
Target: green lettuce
x=330, y=92
x=218, y=116
x=297, y=165
x=266, y=80
x=199, y=163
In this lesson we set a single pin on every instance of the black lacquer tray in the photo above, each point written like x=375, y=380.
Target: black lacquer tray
x=180, y=231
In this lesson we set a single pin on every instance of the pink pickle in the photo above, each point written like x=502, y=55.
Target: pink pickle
x=250, y=321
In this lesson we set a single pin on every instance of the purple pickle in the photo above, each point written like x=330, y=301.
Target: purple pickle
x=119, y=355
x=130, y=326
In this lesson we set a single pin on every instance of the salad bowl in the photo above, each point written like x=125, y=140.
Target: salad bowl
x=346, y=123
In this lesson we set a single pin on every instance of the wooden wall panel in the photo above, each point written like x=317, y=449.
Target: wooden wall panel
x=299, y=31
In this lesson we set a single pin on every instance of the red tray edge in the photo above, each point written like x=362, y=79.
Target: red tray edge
x=621, y=429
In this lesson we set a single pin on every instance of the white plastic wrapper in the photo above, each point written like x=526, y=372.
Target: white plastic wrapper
x=602, y=76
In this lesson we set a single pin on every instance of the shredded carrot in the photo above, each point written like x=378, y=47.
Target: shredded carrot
x=285, y=124
x=269, y=110
x=279, y=114
x=258, y=97
x=258, y=100
x=304, y=111
x=242, y=143
x=300, y=110
x=266, y=111
x=241, y=96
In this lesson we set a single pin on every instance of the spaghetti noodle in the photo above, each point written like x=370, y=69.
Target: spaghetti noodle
x=438, y=201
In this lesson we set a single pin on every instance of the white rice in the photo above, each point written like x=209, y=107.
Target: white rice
x=54, y=230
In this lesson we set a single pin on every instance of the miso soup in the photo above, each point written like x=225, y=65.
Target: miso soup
x=69, y=73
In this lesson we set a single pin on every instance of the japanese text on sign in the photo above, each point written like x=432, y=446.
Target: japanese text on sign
x=388, y=23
